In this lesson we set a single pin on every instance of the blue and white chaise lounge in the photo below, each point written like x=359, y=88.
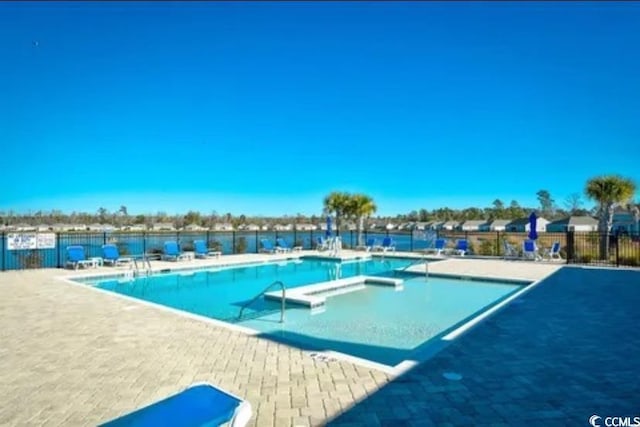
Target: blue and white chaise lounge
x=201, y=404
x=111, y=255
x=284, y=246
x=76, y=257
x=201, y=251
x=172, y=252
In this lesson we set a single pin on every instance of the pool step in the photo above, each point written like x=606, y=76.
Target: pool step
x=315, y=295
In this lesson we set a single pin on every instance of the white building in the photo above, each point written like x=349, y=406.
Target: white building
x=472, y=225
x=495, y=225
x=573, y=223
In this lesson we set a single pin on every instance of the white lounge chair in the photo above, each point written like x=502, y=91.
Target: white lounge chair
x=510, y=251
x=553, y=252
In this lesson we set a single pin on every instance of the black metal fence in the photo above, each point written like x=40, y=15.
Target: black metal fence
x=576, y=247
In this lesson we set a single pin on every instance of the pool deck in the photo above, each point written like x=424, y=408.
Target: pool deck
x=71, y=355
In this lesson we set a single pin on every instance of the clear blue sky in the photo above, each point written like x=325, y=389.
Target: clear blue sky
x=263, y=108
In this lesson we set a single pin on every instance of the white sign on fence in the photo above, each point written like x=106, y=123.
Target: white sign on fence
x=46, y=240
x=17, y=241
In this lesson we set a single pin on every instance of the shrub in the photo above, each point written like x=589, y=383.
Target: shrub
x=633, y=261
x=214, y=245
x=487, y=247
x=241, y=245
x=122, y=249
x=586, y=258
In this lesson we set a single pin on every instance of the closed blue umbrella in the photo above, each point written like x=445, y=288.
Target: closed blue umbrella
x=533, y=232
x=328, y=232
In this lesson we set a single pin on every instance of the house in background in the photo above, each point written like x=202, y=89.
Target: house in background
x=100, y=227
x=495, y=225
x=223, y=226
x=194, y=227
x=472, y=224
x=249, y=227
x=521, y=225
x=305, y=227
x=573, y=223
x=163, y=226
x=449, y=225
x=626, y=221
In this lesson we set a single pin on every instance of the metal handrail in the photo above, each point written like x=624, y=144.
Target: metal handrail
x=144, y=261
x=423, y=260
x=282, y=307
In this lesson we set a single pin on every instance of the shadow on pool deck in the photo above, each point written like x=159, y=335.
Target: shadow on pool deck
x=570, y=349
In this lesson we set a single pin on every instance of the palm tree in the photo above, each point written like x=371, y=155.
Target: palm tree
x=609, y=191
x=361, y=206
x=338, y=203
x=124, y=213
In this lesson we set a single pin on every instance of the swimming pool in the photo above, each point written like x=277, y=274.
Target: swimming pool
x=384, y=324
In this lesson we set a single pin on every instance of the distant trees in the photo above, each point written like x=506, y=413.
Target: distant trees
x=608, y=191
x=361, y=206
x=573, y=203
x=337, y=202
x=357, y=206
x=546, y=203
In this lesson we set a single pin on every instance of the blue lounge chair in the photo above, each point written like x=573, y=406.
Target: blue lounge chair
x=462, y=247
x=172, y=252
x=322, y=244
x=199, y=405
x=554, y=251
x=268, y=247
x=371, y=244
x=111, y=255
x=440, y=246
x=388, y=245
x=284, y=246
x=530, y=250
x=76, y=257
x=201, y=250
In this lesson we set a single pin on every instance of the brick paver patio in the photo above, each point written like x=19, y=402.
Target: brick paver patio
x=71, y=355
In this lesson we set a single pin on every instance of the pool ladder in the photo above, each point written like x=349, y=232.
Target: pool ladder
x=282, y=306
x=146, y=267
x=426, y=266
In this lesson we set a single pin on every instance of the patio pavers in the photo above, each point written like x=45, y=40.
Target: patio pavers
x=75, y=356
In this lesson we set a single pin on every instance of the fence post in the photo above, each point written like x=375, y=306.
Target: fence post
x=144, y=242
x=233, y=241
x=4, y=249
x=58, y=261
x=208, y=235
x=570, y=246
x=295, y=235
x=310, y=239
x=411, y=241
x=498, y=243
x=617, y=240
x=257, y=247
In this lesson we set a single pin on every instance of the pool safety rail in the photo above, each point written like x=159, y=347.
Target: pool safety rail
x=576, y=247
x=420, y=261
x=265, y=290
x=146, y=266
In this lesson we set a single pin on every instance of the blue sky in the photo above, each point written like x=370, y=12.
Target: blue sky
x=263, y=108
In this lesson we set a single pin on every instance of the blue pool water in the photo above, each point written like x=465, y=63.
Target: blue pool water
x=378, y=323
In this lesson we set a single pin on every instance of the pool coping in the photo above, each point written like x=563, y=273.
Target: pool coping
x=392, y=370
